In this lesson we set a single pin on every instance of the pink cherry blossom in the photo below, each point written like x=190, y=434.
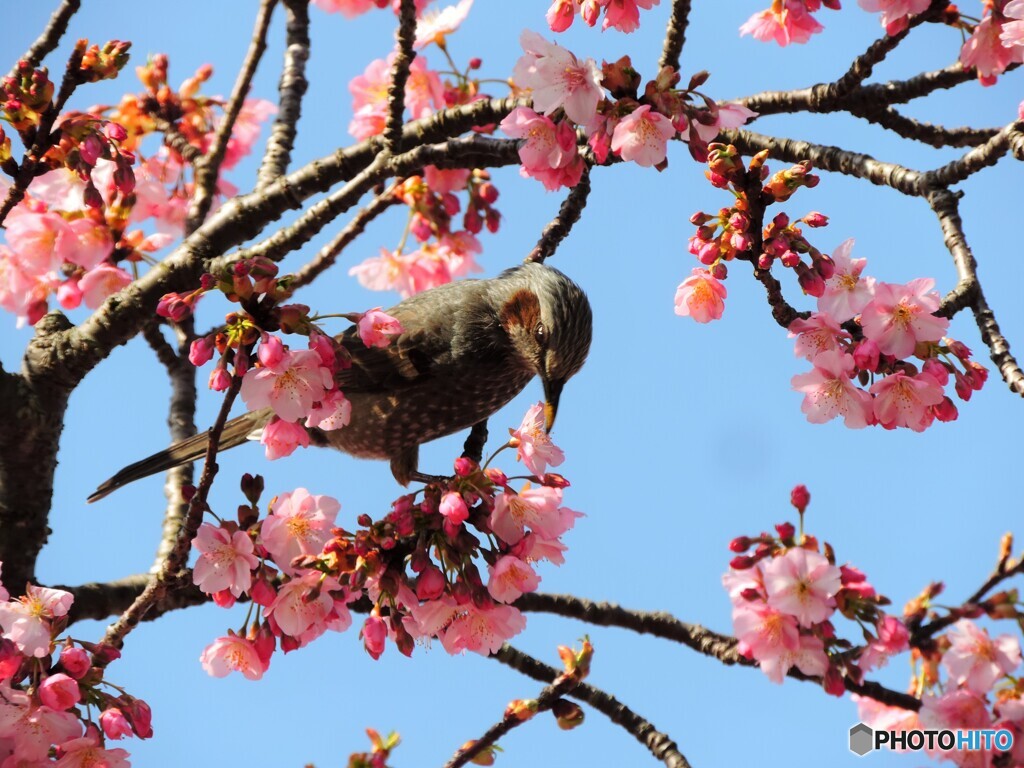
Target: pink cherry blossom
x=26, y=621
x=454, y=510
x=642, y=136
x=809, y=657
x=60, y=189
x=333, y=412
x=234, y=654
x=390, y=271
x=443, y=180
x=482, y=630
x=88, y=752
x=549, y=153
x=906, y=401
x=558, y=80
x=94, y=242
x=818, y=333
x=830, y=392
x=374, y=634
x=802, y=584
x=30, y=731
x=882, y=717
x=114, y=724
x=958, y=709
x=75, y=661
x=376, y=328
x=435, y=25
x=561, y=14
x=785, y=22
x=348, y=8
x=536, y=508
x=899, y=316
x=226, y=560
x=977, y=661
x=701, y=296
x=102, y=282
x=59, y=692
x=533, y=444
x=290, y=387
x=624, y=15
x=280, y=438
x=893, y=638
x=299, y=524
x=1013, y=29
x=895, y=13
x=738, y=582
x=43, y=241
x=510, y=578
x=304, y=608
x=985, y=52
x=763, y=632
x=367, y=122
x=846, y=292
x=246, y=131
x=459, y=248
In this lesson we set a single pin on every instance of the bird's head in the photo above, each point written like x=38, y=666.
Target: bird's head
x=548, y=320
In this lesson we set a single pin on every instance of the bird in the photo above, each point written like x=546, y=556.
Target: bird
x=466, y=349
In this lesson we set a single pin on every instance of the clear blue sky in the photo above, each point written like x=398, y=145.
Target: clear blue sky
x=678, y=436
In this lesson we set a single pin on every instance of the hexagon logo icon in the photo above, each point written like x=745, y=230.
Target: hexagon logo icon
x=862, y=739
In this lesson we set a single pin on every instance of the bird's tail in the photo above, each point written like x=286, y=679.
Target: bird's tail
x=236, y=432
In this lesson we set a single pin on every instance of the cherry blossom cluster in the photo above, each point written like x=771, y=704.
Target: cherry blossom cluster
x=605, y=102
x=50, y=688
x=863, y=331
x=866, y=330
x=994, y=42
x=623, y=15
x=965, y=678
x=80, y=234
x=421, y=567
x=721, y=238
x=786, y=590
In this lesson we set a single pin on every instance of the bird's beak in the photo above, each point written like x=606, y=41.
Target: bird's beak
x=552, y=391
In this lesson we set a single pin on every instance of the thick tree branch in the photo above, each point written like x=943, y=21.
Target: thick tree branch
x=693, y=636
x=98, y=601
x=208, y=169
x=675, y=34
x=291, y=88
x=568, y=214
x=657, y=743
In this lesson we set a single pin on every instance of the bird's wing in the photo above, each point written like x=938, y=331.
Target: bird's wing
x=410, y=359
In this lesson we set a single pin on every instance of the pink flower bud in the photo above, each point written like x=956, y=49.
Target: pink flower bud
x=220, y=379
x=262, y=593
x=739, y=544
x=812, y=284
x=800, y=497
x=223, y=598
x=786, y=530
x=115, y=725
x=719, y=271
x=90, y=149
x=69, y=294
x=200, y=352
x=937, y=370
x=496, y=476
x=75, y=661
x=475, y=63
x=815, y=219
x=825, y=266
x=946, y=410
x=431, y=583
x=866, y=355
x=271, y=351
x=454, y=508
x=141, y=717
x=959, y=349
x=554, y=480
x=375, y=633
x=465, y=466
x=59, y=692
x=115, y=131
x=741, y=562
x=790, y=259
x=833, y=682
x=764, y=261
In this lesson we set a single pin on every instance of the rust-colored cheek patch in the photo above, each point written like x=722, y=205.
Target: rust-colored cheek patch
x=523, y=309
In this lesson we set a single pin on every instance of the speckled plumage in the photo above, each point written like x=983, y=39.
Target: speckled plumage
x=467, y=349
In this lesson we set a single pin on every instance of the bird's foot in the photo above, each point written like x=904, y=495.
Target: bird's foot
x=422, y=477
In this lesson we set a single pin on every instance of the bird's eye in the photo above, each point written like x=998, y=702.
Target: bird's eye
x=540, y=334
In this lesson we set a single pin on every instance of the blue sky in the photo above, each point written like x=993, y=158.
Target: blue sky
x=678, y=436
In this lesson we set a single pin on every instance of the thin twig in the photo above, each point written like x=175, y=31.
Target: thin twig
x=562, y=685
x=659, y=744
x=177, y=558
x=208, y=169
x=50, y=37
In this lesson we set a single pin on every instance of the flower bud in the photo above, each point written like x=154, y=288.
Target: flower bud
x=800, y=497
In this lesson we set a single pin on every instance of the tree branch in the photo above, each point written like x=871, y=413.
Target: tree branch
x=208, y=168
x=400, y=75
x=50, y=37
x=568, y=214
x=657, y=743
x=675, y=34
x=291, y=88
